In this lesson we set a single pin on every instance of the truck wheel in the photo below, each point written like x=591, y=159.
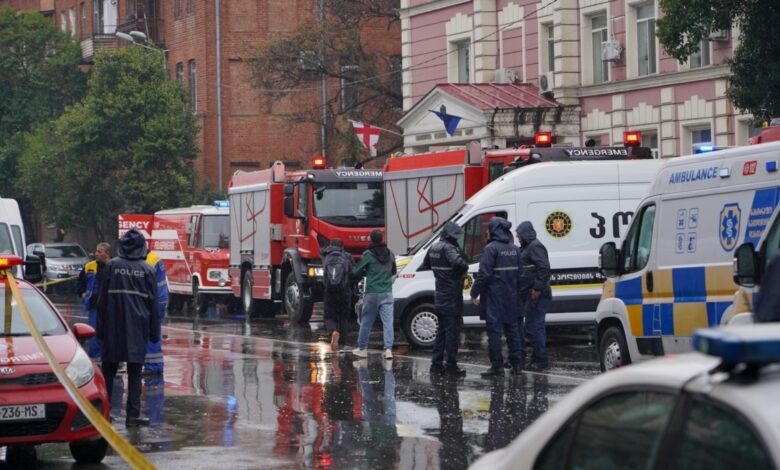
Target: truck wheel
x=297, y=307
x=175, y=303
x=89, y=451
x=421, y=325
x=613, y=350
x=200, y=302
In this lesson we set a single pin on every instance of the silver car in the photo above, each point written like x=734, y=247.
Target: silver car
x=63, y=260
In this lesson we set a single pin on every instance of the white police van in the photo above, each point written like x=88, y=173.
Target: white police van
x=673, y=271
x=12, y=238
x=574, y=206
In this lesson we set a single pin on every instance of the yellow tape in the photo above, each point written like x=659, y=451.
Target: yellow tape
x=45, y=283
x=132, y=456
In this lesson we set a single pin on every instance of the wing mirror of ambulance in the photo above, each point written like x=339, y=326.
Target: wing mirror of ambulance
x=35, y=266
x=289, y=201
x=746, y=266
x=609, y=260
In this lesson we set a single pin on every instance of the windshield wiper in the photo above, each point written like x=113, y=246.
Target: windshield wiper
x=8, y=335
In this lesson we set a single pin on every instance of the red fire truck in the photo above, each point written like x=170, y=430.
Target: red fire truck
x=193, y=244
x=423, y=190
x=770, y=132
x=280, y=218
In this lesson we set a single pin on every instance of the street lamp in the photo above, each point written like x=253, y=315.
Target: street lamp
x=138, y=38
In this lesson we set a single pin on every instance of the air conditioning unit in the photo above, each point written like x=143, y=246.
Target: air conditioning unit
x=611, y=51
x=719, y=35
x=308, y=60
x=505, y=76
x=546, y=81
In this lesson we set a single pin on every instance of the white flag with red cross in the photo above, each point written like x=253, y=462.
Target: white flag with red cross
x=367, y=135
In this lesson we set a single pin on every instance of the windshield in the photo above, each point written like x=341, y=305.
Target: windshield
x=216, y=231
x=350, y=204
x=45, y=318
x=435, y=234
x=65, y=251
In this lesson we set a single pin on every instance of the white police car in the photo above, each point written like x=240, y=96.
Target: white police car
x=714, y=409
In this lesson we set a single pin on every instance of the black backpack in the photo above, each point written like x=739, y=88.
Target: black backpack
x=337, y=272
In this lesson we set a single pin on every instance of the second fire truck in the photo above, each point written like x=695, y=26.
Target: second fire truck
x=279, y=220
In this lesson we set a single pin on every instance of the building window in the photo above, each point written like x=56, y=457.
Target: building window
x=650, y=140
x=598, y=25
x=97, y=16
x=464, y=61
x=190, y=6
x=63, y=21
x=72, y=20
x=180, y=72
x=83, y=25
x=177, y=9
x=701, y=136
x=396, y=80
x=349, y=90
x=550, y=40
x=645, y=28
x=193, y=86
x=701, y=58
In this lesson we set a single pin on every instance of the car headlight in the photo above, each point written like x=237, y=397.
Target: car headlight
x=217, y=274
x=80, y=369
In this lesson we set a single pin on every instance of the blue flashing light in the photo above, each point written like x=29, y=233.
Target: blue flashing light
x=771, y=166
x=221, y=203
x=748, y=344
x=705, y=148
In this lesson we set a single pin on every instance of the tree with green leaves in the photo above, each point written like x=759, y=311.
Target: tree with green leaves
x=128, y=147
x=755, y=65
x=362, y=71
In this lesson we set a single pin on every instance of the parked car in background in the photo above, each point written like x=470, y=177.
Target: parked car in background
x=34, y=407
x=62, y=260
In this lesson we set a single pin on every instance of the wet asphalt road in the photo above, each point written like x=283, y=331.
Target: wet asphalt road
x=273, y=395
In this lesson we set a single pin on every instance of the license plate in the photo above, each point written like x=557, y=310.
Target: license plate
x=22, y=412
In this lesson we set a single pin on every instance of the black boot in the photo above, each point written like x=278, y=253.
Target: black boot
x=456, y=371
x=493, y=372
x=133, y=422
x=436, y=369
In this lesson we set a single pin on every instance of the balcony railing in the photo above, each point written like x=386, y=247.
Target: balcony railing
x=152, y=27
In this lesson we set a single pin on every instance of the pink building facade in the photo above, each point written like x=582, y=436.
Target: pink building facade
x=599, y=60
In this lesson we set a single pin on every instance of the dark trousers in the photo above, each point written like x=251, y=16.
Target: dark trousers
x=336, y=314
x=133, y=385
x=514, y=340
x=447, y=337
x=533, y=327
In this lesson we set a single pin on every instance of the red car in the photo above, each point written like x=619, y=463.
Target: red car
x=34, y=406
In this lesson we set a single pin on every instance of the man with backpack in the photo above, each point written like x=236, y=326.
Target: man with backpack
x=337, y=274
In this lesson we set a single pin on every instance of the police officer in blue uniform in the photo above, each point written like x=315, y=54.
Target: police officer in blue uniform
x=496, y=286
x=154, y=353
x=88, y=288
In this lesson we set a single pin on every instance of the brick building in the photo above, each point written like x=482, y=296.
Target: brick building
x=255, y=131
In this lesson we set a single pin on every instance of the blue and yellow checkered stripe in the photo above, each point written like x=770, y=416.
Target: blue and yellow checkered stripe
x=683, y=299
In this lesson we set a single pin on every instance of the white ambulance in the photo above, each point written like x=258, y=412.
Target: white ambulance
x=672, y=274
x=11, y=229
x=573, y=205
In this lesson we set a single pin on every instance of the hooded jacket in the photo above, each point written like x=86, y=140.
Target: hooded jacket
x=449, y=266
x=128, y=314
x=378, y=267
x=496, y=284
x=534, y=262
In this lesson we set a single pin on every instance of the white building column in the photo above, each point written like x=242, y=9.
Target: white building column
x=406, y=55
x=485, y=50
x=669, y=140
x=618, y=118
x=567, y=51
x=723, y=134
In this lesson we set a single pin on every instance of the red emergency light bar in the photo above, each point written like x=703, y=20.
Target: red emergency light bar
x=543, y=139
x=318, y=163
x=632, y=139
x=9, y=261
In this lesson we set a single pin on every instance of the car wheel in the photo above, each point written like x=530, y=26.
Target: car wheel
x=200, y=302
x=613, y=350
x=298, y=308
x=421, y=326
x=90, y=451
x=20, y=456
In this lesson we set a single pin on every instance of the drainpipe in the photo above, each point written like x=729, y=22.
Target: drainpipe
x=323, y=83
x=219, y=96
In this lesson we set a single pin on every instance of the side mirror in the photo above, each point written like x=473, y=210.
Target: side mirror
x=289, y=207
x=33, y=268
x=746, y=264
x=83, y=331
x=609, y=260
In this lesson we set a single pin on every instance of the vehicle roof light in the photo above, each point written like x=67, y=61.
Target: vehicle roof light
x=747, y=344
x=543, y=139
x=9, y=261
x=221, y=203
x=632, y=139
x=318, y=162
x=771, y=166
x=704, y=148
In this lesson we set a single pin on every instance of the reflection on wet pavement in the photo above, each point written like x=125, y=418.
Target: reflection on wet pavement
x=278, y=398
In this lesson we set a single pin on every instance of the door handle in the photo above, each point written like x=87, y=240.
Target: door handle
x=649, y=281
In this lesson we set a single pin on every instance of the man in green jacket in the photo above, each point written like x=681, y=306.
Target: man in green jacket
x=378, y=267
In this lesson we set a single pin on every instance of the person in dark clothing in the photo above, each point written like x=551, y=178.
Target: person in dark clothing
x=535, y=293
x=88, y=288
x=768, y=301
x=496, y=285
x=449, y=266
x=128, y=318
x=338, y=298
x=378, y=267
